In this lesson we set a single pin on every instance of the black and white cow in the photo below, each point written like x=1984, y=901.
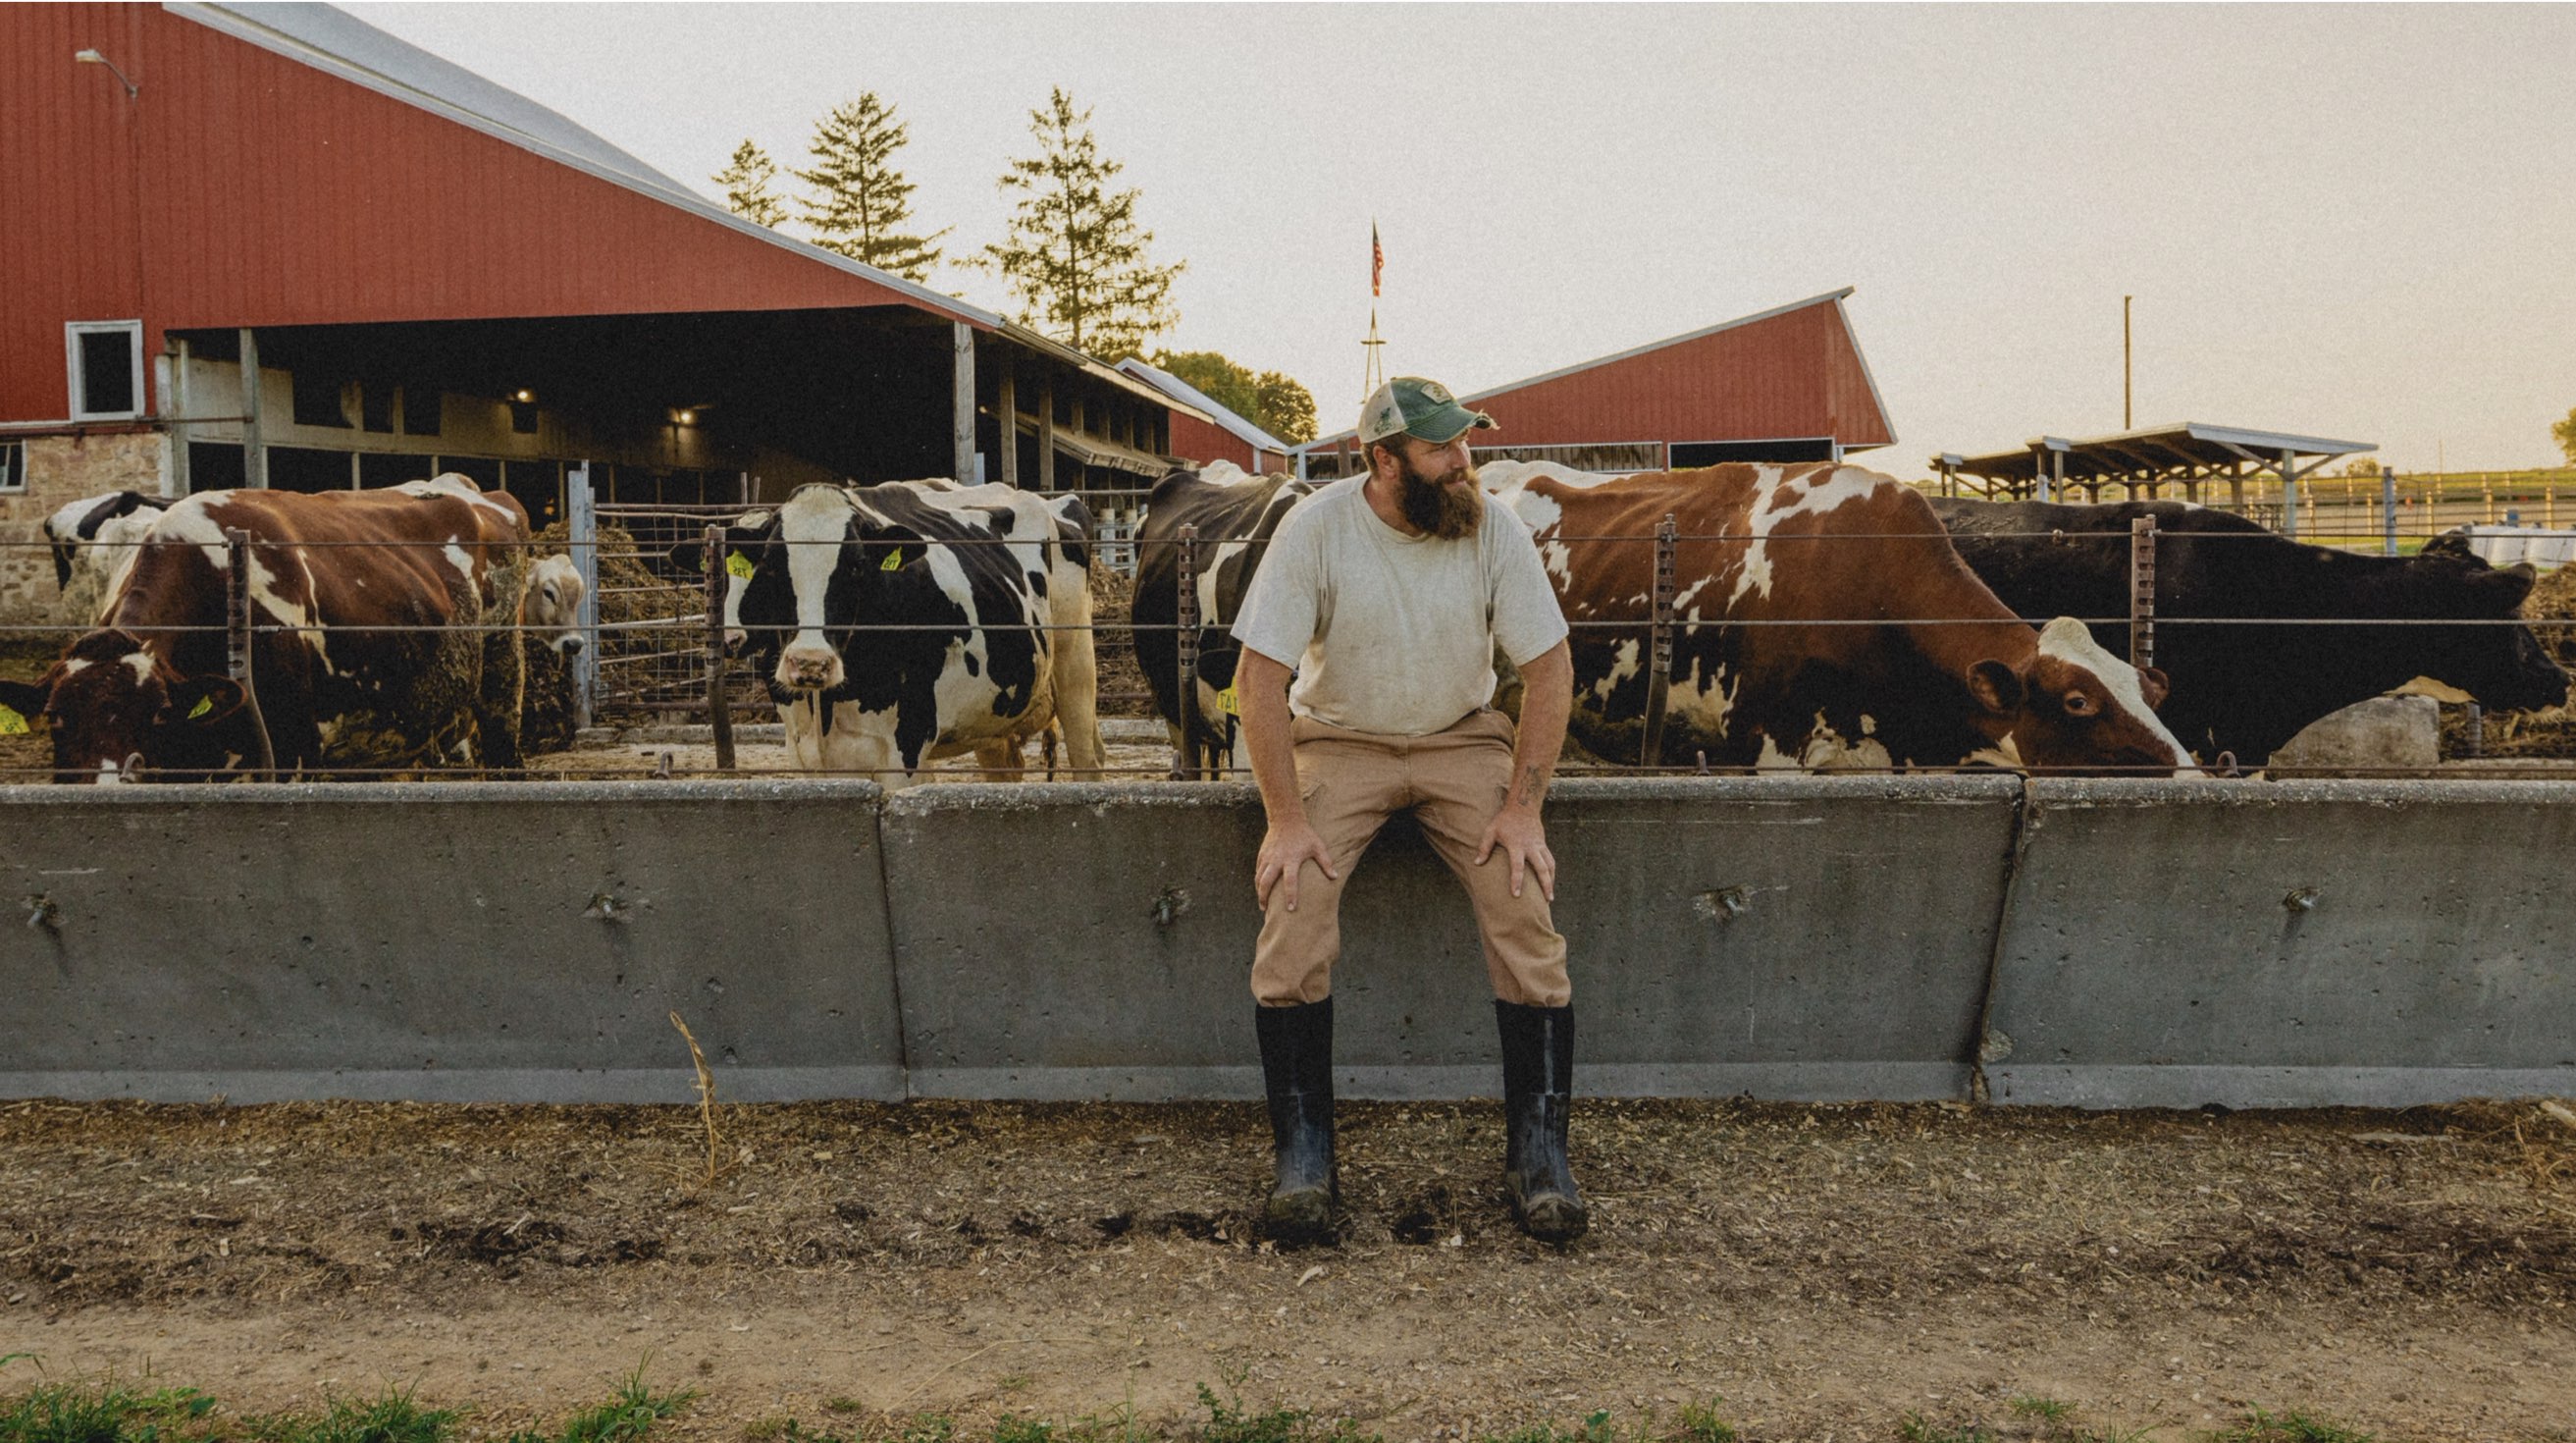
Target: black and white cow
x=2248, y=688
x=94, y=541
x=1236, y=514
x=899, y=624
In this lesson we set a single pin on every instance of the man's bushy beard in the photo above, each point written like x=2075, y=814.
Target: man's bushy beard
x=1444, y=510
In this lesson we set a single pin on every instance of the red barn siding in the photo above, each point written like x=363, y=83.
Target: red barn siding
x=269, y=193
x=1798, y=373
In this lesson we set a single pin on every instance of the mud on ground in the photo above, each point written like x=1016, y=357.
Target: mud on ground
x=1823, y=1270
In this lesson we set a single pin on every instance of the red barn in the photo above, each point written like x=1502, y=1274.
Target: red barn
x=424, y=271
x=1789, y=384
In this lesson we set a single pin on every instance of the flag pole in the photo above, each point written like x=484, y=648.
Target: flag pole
x=1373, y=374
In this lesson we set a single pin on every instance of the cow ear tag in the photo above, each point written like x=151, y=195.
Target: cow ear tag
x=1229, y=703
x=893, y=561
x=11, y=723
x=204, y=705
x=738, y=564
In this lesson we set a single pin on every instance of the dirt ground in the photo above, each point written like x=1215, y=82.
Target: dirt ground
x=1823, y=1270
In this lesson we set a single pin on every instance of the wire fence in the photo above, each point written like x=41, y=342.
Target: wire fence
x=667, y=649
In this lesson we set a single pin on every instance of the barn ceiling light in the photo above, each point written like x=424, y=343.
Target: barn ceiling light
x=92, y=57
x=523, y=397
x=685, y=416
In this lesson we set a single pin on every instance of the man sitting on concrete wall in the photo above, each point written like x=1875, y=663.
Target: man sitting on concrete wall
x=1388, y=594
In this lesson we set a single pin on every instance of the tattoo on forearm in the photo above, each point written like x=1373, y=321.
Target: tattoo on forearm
x=1533, y=784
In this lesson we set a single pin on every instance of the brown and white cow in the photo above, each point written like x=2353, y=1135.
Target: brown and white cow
x=366, y=654
x=1821, y=619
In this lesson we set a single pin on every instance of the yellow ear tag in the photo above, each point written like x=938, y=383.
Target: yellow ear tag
x=1229, y=703
x=12, y=724
x=204, y=705
x=893, y=561
x=739, y=565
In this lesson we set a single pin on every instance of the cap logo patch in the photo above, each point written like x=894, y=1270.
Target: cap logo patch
x=1435, y=392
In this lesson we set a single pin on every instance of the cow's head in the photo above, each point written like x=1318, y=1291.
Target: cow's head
x=553, y=603
x=2504, y=668
x=740, y=546
x=2077, y=707
x=111, y=705
x=821, y=570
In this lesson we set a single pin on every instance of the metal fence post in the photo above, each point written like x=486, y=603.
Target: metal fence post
x=2388, y=510
x=1659, y=675
x=1184, y=758
x=237, y=644
x=719, y=709
x=581, y=524
x=2142, y=592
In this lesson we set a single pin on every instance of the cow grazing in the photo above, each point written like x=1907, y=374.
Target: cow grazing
x=93, y=541
x=1821, y=619
x=2247, y=689
x=427, y=560
x=1236, y=514
x=984, y=597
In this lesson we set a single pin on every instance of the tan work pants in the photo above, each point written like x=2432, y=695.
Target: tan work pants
x=1453, y=782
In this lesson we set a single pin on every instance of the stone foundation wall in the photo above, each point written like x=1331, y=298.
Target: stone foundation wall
x=60, y=469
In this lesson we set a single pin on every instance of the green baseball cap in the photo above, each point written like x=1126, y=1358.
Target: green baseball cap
x=1420, y=407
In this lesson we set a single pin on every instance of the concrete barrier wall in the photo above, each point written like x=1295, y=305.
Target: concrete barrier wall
x=2101, y=944
x=449, y=942
x=1789, y=938
x=2298, y=943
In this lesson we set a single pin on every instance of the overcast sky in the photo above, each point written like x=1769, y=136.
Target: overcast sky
x=2352, y=222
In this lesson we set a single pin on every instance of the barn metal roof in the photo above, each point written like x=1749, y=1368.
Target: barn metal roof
x=2189, y=445
x=1214, y=411
x=333, y=41
x=1834, y=298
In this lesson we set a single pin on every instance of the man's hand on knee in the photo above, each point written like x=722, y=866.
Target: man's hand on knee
x=1285, y=849
x=1523, y=838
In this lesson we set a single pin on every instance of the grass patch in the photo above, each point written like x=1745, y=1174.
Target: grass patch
x=2290, y=1427
x=108, y=1411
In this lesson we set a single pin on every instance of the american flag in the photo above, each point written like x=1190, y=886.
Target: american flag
x=1377, y=260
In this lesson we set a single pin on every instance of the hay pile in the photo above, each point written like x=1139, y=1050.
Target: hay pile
x=2550, y=733
x=1113, y=603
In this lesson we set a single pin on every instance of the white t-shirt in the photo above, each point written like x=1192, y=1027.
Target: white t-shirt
x=1390, y=633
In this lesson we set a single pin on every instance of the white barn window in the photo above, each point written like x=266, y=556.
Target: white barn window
x=106, y=359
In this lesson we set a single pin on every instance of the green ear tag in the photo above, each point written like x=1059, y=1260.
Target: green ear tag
x=893, y=561
x=204, y=705
x=738, y=564
x=12, y=724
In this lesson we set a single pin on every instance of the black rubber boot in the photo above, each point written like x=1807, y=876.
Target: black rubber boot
x=1538, y=1090
x=1297, y=1071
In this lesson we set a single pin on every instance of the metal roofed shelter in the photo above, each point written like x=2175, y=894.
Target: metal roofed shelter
x=416, y=267
x=1226, y=436
x=2144, y=462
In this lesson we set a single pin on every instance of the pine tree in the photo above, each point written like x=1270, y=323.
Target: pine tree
x=863, y=203
x=1075, y=256
x=746, y=186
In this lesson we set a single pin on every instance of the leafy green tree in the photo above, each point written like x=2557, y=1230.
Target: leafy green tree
x=1287, y=408
x=1269, y=400
x=746, y=183
x=862, y=205
x=1076, y=257
x=2565, y=434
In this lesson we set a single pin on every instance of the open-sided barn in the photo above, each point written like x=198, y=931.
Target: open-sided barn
x=427, y=272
